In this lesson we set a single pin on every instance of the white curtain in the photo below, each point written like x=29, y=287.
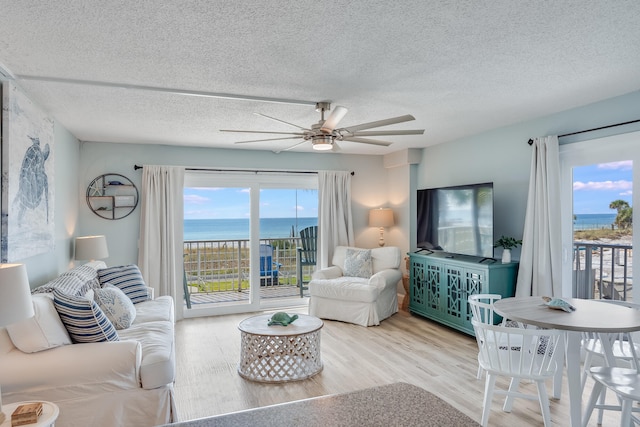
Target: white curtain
x=541, y=254
x=335, y=226
x=160, y=247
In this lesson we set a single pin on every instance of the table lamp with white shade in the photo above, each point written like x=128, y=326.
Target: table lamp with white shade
x=381, y=217
x=91, y=248
x=15, y=300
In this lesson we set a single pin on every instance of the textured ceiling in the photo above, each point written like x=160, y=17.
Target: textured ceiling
x=460, y=67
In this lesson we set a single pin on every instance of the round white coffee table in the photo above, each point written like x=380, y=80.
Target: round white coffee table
x=48, y=417
x=279, y=353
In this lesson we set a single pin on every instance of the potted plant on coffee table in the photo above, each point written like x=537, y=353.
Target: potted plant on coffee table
x=507, y=243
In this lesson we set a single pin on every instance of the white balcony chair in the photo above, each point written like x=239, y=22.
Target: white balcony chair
x=520, y=354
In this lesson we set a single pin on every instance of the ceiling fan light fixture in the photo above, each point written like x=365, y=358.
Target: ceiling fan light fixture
x=322, y=142
x=325, y=134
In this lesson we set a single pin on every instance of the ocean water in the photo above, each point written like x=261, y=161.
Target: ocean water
x=238, y=228
x=593, y=221
x=270, y=228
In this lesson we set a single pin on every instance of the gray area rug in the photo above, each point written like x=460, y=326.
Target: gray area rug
x=397, y=404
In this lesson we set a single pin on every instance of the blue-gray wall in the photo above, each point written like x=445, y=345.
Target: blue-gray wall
x=502, y=156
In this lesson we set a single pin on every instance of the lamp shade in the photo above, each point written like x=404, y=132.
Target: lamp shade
x=15, y=294
x=382, y=217
x=91, y=248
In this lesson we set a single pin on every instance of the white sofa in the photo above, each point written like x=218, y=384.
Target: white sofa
x=364, y=300
x=120, y=383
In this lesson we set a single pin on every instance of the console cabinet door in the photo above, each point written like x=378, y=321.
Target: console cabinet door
x=417, y=285
x=454, y=304
x=460, y=282
x=434, y=278
x=476, y=282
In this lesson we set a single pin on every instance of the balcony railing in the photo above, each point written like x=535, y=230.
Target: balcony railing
x=222, y=266
x=216, y=266
x=602, y=271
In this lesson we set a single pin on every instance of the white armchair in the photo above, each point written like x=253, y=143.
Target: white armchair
x=355, y=290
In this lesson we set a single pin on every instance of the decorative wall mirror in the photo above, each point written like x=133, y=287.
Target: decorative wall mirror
x=112, y=196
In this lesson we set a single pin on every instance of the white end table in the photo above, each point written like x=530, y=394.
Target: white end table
x=48, y=418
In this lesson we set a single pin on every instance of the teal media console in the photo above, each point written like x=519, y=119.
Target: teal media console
x=441, y=282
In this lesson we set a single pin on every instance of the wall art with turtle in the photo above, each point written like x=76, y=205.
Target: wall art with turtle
x=27, y=200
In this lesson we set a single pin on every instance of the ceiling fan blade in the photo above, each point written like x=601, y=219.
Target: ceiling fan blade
x=282, y=121
x=367, y=141
x=262, y=131
x=335, y=147
x=271, y=139
x=389, y=132
x=334, y=118
x=379, y=123
x=291, y=148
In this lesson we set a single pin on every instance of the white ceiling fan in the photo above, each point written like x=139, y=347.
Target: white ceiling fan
x=324, y=134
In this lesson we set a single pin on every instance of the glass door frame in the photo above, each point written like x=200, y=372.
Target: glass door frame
x=599, y=150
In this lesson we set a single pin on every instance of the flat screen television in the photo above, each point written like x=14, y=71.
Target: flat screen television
x=458, y=220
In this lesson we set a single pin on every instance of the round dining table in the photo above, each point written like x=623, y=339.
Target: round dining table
x=589, y=316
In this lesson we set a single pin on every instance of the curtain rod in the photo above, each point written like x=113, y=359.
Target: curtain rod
x=136, y=167
x=591, y=130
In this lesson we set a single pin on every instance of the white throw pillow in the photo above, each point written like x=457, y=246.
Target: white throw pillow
x=358, y=263
x=41, y=332
x=116, y=305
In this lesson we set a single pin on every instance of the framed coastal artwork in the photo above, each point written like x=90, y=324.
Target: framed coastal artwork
x=27, y=190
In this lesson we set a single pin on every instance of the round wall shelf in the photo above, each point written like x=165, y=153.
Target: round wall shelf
x=112, y=196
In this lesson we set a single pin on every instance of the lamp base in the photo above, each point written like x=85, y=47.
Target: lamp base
x=381, y=240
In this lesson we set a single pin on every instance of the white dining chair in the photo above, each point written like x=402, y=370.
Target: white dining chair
x=482, y=310
x=519, y=354
x=624, y=347
x=624, y=382
x=619, y=344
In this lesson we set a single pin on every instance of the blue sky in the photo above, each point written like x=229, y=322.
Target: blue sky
x=596, y=186
x=216, y=203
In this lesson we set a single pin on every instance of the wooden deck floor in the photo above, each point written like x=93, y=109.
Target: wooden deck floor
x=266, y=292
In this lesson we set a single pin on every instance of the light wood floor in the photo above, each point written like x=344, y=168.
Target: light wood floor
x=403, y=348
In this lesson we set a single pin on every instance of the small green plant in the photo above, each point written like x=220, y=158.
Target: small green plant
x=507, y=242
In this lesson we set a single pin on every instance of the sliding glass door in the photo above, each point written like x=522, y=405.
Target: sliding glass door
x=598, y=177
x=241, y=232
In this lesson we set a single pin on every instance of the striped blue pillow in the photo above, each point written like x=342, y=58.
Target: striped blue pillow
x=84, y=320
x=128, y=278
x=68, y=284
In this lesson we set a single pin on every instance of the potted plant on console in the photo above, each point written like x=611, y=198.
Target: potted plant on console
x=507, y=243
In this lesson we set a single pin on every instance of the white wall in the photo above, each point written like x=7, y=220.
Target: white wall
x=503, y=156
x=368, y=184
